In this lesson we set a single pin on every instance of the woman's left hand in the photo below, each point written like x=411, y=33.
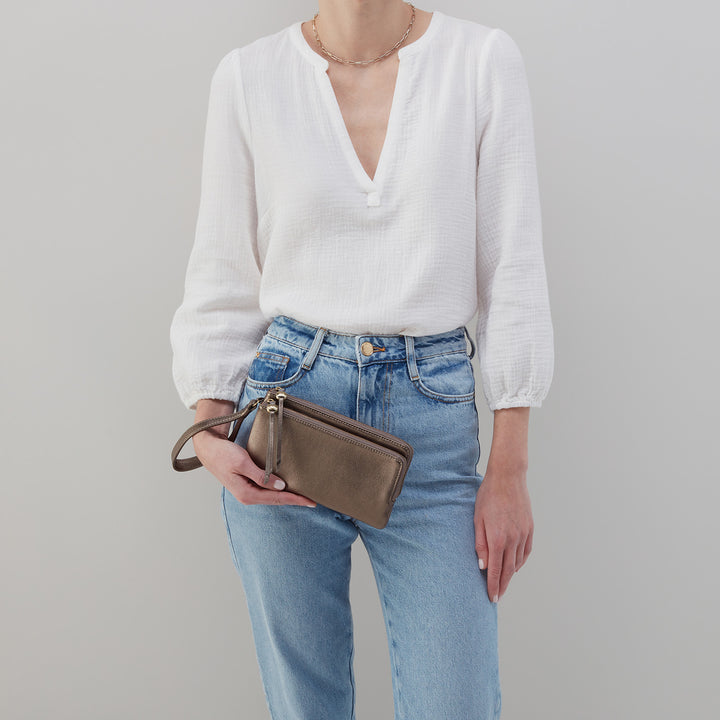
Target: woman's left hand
x=503, y=527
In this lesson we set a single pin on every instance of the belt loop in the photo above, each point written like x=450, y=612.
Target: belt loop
x=472, y=344
x=314, y=348
x=410, y=356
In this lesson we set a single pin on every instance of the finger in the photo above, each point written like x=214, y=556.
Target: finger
x=257, y=474
x=251, y=494
x=273, y=481
x=495, y=563
x=529, y=542
x=481, y=545
x=258, y=496
x=254, y=492
x=520, y=555
x=508, y=569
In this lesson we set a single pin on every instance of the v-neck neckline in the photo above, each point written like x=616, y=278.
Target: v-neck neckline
x=371, y=185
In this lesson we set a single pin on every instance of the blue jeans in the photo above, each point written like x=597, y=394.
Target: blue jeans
x=294, y=562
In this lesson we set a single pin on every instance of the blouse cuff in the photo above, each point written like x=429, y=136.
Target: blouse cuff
x=191, y=396
x=524, y=400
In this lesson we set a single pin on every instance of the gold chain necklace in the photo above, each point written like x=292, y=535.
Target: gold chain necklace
x=365, y=62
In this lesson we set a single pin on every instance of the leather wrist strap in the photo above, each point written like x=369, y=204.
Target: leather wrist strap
x=191, y=463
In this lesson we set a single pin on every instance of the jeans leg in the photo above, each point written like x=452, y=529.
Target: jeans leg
x=294, y=563
x=441, y=626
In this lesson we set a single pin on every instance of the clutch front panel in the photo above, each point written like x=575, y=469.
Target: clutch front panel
x=358, y=473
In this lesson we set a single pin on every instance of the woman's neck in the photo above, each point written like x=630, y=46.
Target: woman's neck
x=364, y=29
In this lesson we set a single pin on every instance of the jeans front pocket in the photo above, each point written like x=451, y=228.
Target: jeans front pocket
x=447, y=377
x=277, y=363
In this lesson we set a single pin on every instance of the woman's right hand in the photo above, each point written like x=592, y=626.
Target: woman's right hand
x=232, y=465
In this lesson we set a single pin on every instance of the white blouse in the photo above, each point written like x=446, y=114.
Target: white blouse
x=290, y=223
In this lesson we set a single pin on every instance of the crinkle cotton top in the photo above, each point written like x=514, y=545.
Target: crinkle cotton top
x=290, y=223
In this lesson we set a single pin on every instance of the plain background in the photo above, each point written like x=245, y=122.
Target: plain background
x=119, y=598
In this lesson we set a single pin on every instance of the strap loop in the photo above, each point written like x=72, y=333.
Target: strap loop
x=191, y=463
x=472, y=344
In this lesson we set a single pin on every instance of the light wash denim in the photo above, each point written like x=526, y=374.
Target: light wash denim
x=294, y=562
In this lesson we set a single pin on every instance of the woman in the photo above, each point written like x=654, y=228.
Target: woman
x=368, y=184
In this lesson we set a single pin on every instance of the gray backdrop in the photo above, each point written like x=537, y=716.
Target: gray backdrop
x=119, y=598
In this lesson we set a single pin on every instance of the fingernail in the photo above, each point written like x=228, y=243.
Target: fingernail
x=279, y=484
x=481, y=563
x=495, y=599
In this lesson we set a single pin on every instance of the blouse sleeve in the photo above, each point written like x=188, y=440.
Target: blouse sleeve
x=514, y=330
x=216, y=329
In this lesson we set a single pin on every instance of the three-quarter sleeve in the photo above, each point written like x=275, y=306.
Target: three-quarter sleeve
x=216, y=329
x=514, y=330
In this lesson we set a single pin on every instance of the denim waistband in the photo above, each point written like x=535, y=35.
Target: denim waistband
x=385, y=347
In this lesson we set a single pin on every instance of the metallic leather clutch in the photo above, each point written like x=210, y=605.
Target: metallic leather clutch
x=341, y=463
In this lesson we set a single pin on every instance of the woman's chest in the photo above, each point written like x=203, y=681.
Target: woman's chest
x=402, y=133
x=364, y=98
